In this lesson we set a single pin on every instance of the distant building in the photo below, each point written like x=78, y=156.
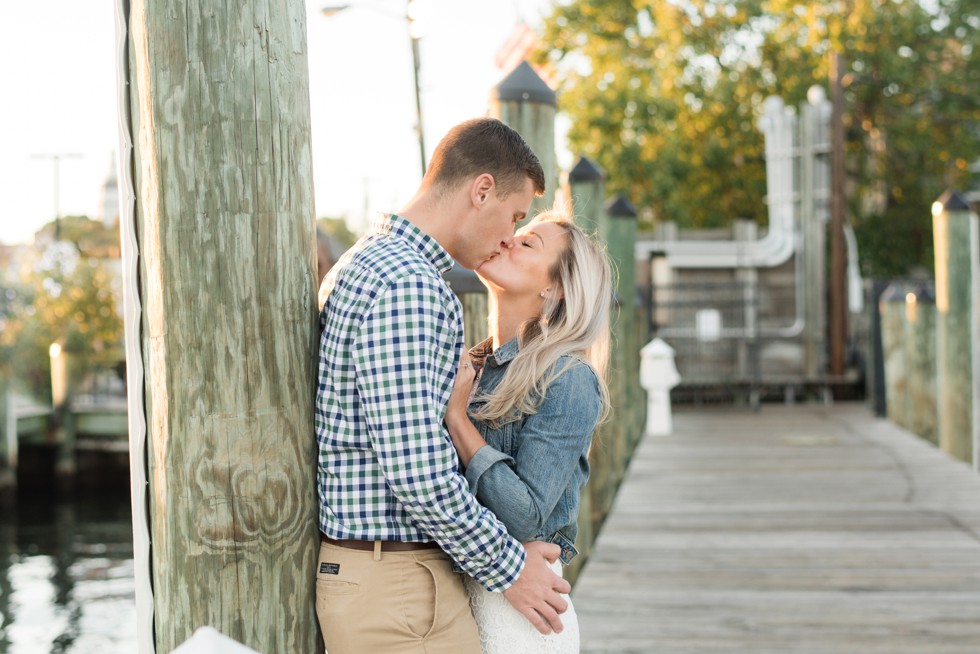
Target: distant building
x=7, y=253
x=109, y=196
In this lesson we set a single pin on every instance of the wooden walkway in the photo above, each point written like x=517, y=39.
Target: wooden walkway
x=818, y=530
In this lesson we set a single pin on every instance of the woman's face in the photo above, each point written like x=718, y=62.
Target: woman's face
x=523, y=269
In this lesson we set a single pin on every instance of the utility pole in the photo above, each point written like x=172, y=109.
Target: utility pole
x=415, y=30
x=416, y=66
x=838, y=287
x=56, y=159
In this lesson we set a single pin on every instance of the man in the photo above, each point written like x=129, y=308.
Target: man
x=394, y=510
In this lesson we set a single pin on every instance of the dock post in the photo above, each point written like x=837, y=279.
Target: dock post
x=221, y=317
x=525, y=102
x=954, y=230
x=892, y=310
x=63, y=377
x=621, y=241
x=920, y=362
x=586, y=186
x=587, y=193
x=8, y=438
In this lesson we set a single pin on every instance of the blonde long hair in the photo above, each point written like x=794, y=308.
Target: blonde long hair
x=574, y=321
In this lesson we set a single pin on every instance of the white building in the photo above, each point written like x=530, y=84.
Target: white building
x=109, y=196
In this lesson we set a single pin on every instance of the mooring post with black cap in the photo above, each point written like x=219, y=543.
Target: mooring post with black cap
x=621, y=433
x=954, y=238
x=587, y=195
x=621, y=239
x=525, y=102
x=586, y=185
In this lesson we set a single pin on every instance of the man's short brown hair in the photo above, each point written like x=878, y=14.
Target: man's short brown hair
x=485, y=145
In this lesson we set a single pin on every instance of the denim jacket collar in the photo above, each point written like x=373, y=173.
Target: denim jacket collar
x=483, y=353
x=504, y=354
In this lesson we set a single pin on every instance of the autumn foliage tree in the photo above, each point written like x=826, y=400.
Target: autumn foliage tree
x=58, y=294
x=665, y=94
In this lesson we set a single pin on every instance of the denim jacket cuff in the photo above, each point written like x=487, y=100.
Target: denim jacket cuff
x=482, y=461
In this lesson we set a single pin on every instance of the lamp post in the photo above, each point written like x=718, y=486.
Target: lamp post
x=414, y=34
x=56, y=158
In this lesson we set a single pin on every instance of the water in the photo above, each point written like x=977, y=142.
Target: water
x=66, y=573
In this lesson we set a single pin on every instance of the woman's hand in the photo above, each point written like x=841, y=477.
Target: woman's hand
x=466, y=438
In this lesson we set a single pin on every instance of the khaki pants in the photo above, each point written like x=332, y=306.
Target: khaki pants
x=406, y=603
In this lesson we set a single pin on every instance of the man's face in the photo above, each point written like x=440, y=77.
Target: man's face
x=492, y=227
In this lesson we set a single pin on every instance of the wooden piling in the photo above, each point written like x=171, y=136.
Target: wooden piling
x=525, y=102
x=892, y=310
x=920, y=362
x=8, y=438
x=219, y=100
x=586, y=183
x=64, y=373
x=621, y=241
x=952, y=237
x=586, y=189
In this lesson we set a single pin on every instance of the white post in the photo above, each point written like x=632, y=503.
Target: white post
x=658, y=375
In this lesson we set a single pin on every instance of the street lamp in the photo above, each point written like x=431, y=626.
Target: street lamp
x=57, y=158
x=414, y=34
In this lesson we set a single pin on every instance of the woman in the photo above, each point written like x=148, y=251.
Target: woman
x=524, y=433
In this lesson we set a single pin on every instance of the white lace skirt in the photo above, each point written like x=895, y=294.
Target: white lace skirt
x=505, y=631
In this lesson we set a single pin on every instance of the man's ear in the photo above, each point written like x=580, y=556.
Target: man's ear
x=481, y=188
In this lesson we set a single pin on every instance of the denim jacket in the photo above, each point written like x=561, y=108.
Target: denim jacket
x=534, y=466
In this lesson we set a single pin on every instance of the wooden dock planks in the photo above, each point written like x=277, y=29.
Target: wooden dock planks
x=792, y=530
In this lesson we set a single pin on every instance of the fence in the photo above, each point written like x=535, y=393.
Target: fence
x=714, y=332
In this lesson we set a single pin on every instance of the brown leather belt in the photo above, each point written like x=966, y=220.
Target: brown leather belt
x=386, y=545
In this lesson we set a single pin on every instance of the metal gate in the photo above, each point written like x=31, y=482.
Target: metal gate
x=714, y=330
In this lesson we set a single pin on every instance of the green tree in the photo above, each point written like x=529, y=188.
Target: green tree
x=664, y=95
x=338, y=229
x=91, y=237
x=58, y=296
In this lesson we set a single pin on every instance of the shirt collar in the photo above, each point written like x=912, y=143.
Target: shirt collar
x=393, y=225
x=504, y=353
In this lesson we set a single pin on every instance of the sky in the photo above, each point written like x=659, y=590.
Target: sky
x=58, y=70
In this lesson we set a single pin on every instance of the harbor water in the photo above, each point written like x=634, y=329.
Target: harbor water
x=66, y=571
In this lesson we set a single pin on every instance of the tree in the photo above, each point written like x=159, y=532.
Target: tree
x=337, y=229
x=664, y=95
x=91, y=237
x=58, y=296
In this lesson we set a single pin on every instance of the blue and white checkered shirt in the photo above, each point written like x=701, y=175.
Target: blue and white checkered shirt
x=391, y=337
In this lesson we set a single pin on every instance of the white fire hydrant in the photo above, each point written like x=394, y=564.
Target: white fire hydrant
x=658, y=375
